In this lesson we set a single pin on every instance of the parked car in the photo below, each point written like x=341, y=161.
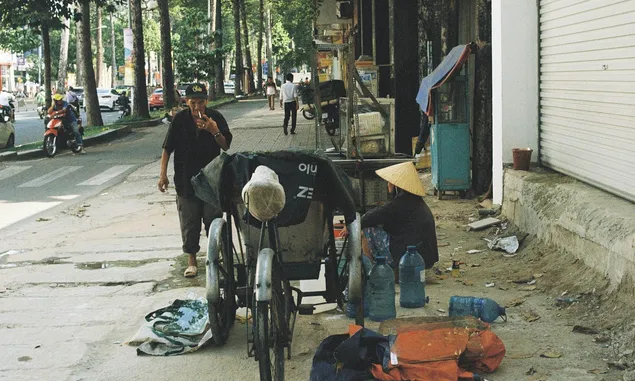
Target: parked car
x=229, y=87
x=107, y=98
x=7, y=132
x=156, y=99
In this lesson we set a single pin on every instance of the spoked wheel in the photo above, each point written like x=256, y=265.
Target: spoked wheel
x=221, y=302
x=50, y=145
x=331, y=128
x=272, y=331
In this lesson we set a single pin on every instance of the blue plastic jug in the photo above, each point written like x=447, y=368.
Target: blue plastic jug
x=381, y=287
x=412, y=279
x=351, y=308
x=483, y=308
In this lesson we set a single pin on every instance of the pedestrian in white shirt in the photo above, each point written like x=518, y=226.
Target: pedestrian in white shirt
x=289, y=96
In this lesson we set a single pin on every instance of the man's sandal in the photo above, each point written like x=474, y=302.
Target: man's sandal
x=190, y=271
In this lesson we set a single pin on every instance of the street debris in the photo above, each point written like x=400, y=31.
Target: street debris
x=565, y=301
x=515, y=302
x=443, y=244
x=523, y=279
x=530, y=316
x=487, y=212
x=527, y=288
x=467, y=282
x=531, y=371
x=551, y=355
x=42, y=219
x=475, y=265
x=601, y=339
x=474, y=251
x=314, y=323
x=441, y=310
x=490, y=284
x=584, y=330
x=484, y=223
x=597, y=371
x=508, y=244
x=533, y=281
x=617, y=365
x=37, y=346
x=538, y=275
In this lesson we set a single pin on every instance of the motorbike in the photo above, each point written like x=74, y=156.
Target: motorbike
x=308, y=109
x=58, y=134
x=124, y=110
x=331, y=118
x=41, y=111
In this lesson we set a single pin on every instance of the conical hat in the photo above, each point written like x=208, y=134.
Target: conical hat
x=404, y=176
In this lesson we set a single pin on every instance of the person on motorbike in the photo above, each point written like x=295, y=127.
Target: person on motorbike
x=73, y=100
x=40, y=98
x=70, y=118
x=124, y=103
x=6, y=103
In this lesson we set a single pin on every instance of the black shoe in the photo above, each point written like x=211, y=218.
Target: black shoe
x=292, y=132
x=418, y=148
x=285, y=132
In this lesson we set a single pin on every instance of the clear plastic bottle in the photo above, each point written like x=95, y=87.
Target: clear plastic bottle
x=381, y=287
x=483, y=308
x=412, y=279
x=351, y=308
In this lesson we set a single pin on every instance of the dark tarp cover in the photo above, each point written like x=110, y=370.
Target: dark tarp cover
x=304, y=177
x=452, y=62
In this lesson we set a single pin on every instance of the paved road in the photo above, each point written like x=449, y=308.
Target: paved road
x=30, y=188
x=30, y=128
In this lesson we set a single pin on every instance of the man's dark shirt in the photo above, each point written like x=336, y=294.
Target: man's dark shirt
x=193, y=148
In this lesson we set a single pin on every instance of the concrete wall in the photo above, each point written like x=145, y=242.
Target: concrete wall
x=582, y=221
x=515, y=83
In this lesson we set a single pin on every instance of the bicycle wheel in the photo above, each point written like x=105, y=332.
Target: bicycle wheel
x=220, y=279
x=271, y=331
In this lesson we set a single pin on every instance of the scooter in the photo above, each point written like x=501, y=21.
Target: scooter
x=41, y=111
x=331, y=118
x=58, y=134
x=124, y=111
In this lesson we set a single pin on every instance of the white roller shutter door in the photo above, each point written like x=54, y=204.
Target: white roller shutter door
x=587, y=91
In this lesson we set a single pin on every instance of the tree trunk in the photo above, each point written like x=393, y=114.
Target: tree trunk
x=261, y=28
x=239, y=53
x=249, y=88
x=79, y=70
x=220, y=74
x=63, y=62
x=140, y=101
x=46, y=51
x=93, y=114
x=113, y=72
x=166, y=52
x=100, y=45
x=270, y=71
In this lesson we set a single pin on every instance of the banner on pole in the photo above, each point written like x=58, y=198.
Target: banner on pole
x=128, y=49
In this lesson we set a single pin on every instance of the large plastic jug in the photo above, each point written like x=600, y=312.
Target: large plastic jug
x=483, y=308
x=381, y=287
x=412, y=279
x=351, y=308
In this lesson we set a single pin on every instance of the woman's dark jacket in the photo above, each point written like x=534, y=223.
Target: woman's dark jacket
x=408, y=221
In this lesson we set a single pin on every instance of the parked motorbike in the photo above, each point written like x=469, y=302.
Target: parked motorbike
x=58, y=134
x=331, y=118
x=308, y=111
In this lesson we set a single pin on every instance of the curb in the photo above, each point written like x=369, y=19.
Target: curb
x=143, y=123
x=8, y=156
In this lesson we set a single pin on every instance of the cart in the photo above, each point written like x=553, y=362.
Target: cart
x=257, y=270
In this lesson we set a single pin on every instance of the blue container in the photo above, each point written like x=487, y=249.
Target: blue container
x=381, y=287
x=351, y=308
x=412, y=279
x=482, y=308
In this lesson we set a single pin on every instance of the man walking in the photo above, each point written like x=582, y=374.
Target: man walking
x=289, y=96
x=196, y=136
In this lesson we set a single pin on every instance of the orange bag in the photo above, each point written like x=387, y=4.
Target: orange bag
x=442, y=351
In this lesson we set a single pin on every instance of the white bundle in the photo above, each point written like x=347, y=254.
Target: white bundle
x=263, y=194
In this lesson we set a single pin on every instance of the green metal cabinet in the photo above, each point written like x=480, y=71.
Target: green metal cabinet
x=450, y=137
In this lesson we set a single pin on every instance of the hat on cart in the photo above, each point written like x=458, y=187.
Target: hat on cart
x=196, y=90
x=58, y=97
x=404, y=176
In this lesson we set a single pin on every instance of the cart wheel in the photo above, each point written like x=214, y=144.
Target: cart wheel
x=440, y=194
x=271, y=332
x=221, y=297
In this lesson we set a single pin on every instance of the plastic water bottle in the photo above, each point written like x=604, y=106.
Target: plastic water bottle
x=483, y=308
x=351, y=308
x=412, y=279
x=381, y=287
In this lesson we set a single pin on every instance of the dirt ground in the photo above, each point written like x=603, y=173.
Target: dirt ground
x=539, y=332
